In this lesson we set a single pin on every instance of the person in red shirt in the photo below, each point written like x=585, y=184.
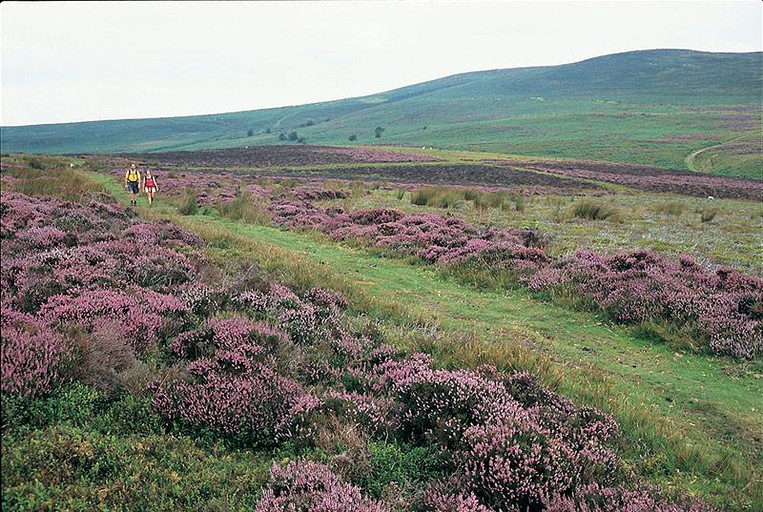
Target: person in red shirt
x=150, y=186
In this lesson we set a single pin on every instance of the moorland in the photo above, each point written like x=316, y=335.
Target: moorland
x=302, y=325
x=511, y=290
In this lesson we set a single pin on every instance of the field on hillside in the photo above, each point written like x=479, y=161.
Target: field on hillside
x=379, y=329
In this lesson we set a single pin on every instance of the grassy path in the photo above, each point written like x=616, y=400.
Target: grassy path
x=690, y=422
x=691, y=158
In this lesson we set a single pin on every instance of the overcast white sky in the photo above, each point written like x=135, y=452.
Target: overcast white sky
x=78, y=61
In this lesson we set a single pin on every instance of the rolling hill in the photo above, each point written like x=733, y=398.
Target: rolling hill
x=654, y=107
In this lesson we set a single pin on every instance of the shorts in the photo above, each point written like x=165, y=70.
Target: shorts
x=132, y=186
x=150, y=190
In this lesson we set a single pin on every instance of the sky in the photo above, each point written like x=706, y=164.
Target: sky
x=81, y=61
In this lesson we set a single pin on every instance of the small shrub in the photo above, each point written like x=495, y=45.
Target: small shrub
x=103, y=357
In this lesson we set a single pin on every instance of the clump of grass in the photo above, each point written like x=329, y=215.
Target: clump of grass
x=708, y=214
x=244, y=208
x=439, y=197
x=188, y=203
x=671, y=208
x=594, y=211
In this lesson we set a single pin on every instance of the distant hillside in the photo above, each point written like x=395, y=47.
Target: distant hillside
x=655, y=107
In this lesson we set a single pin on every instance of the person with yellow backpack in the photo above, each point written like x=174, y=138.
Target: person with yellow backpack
x=132, y=184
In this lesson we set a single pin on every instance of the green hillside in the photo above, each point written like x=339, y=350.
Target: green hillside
x=653, y=107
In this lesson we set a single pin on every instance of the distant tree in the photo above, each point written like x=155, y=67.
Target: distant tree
x=282, y=136
x=309, y=122
x=424, y=128
x=352, y=137
x=267, y=130
x=293, y=136
x=250, y=132
x=379, y=131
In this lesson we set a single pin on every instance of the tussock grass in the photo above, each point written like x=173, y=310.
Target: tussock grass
x=595, y=211
x=707, y=214
x=450, y=197
x=244, y=208
x=188, y=203
x=670, y=208
x=439, y=197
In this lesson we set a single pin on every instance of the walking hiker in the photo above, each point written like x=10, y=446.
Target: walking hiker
x=132, y=184
x=150, y=186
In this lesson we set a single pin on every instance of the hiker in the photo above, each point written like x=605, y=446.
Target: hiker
x=150, y=186
x=132, y=184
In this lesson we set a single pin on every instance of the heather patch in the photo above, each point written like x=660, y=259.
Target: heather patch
x=32, y=355
x=723, y=308
x=311, y=486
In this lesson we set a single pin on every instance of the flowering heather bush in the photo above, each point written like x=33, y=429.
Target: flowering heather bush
x=32, y=355
x=235, y=395
x=139, y=313
x=515, y=462
x=297, y=214
x=307, y=320
x=308, y=486
x=162, y=233
x=33, y=277
x=20, y=213
x=439, y=498
x=724, y=307
x=449, y=240
x=596, y=498
x=440, y=404
x=229, y=334
x=498, y=255
x=378, y=415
